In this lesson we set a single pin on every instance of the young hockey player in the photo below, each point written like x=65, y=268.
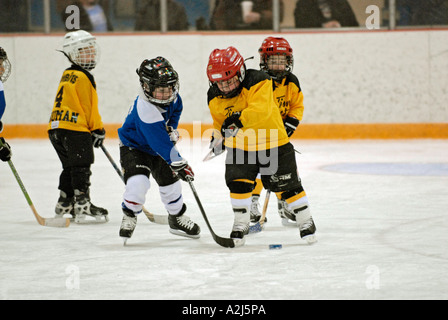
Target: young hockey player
x=76, y=127
x=5, y=71
x=277, y=60
x=147, y=140
x=244, y=112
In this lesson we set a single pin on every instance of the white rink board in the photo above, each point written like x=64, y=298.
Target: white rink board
x=348, y=77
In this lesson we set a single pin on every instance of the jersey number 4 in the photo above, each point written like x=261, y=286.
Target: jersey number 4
x=58, y=99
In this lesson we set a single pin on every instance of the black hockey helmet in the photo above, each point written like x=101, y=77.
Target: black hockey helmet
x=158, y=72
x=5, y=65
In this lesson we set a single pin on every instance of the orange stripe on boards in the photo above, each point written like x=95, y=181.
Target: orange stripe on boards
x=372, y=131
x=304, y=131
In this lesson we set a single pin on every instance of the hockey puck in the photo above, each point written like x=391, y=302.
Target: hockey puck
x=275, y=246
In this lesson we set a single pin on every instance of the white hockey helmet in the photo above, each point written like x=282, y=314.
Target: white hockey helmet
x=81, y=48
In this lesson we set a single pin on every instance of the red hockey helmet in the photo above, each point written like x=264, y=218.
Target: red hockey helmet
x=224, y=64
x=276, y=46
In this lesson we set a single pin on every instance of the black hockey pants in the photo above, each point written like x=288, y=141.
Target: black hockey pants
x=277, y=167
x=75, y=151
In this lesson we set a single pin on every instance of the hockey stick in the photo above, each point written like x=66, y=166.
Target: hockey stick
x=224, y=242
x=211, y=154
x=160, y=219
x=258, y=227
x=48, y=222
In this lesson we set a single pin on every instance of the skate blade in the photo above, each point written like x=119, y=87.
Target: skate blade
x=183, y=234
x=288, y=223
x=82, y=219
x=310, y=239
x=239, y=242
x=125, y=241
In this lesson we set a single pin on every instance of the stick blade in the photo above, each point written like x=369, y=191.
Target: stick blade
x=159, y=219
x=57, y=222
x=155, y=218
x=209, y=156
x=229, y=242
x=256, y=228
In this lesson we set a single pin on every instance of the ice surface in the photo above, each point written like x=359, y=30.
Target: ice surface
x=380, y=236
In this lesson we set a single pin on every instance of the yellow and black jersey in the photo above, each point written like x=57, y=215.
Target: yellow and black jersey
x=289, y=97
x=76, y=105
x=262, y=124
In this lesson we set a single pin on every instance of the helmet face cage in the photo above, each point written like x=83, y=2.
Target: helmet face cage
x=276, y=58
x=5, y=65
x=82, y=49
x=86, y=57
x=227, y=68
x=159, y=75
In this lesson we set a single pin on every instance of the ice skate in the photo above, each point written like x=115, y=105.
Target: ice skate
x=308, y=231
x=255, y=213
x=84, y=208
x=182, y=225
x=287, y=216
x=306, y=224
x=241, y=223
x=65, y=206
x=128, y=224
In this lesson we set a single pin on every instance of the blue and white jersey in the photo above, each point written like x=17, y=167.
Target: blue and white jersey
x=145, y=128
x=2, y=100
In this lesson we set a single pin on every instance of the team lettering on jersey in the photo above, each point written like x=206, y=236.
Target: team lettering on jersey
x=229, y=111
x=60, y=115
x=69, y=78
x=283, y=105
x=76, y=104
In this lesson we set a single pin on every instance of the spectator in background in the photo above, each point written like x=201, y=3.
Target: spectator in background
x=324, y=14
x=227, y=15
x=93, y=14
x=148, y=16
x=13, y=16
x=417, y=12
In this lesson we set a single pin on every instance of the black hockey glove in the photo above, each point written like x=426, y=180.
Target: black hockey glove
x=98, y=136
x=1, y=126
x=5, y=150
x=291, y=125
x=173, y=133
x=217, y=146
x=231, y=125
x=183, y=170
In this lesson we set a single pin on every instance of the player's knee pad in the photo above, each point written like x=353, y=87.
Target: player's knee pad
x=241, y=193
x=258, y=187
x=282, y=182
x=171, y=197
x=135, y=193
x=241, y=186
x=295, y=198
